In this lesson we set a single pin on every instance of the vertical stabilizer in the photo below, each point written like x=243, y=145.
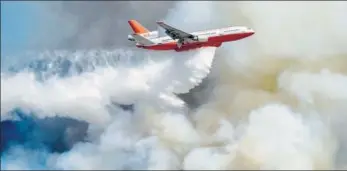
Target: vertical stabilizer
x=137, y=27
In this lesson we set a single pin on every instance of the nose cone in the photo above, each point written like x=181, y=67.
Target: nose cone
x=250, y=32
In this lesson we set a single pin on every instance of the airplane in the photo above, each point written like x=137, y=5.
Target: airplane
x=179, y=40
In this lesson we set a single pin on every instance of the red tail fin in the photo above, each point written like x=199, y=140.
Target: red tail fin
x=137, y=27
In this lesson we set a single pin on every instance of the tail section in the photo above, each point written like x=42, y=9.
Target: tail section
x=137, y=27
x=142, y=40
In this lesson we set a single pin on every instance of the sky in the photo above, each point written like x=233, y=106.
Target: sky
x=17, y=21
x=81, y=24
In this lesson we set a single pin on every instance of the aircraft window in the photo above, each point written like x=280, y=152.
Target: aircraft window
x=208, y=33
x=230, y=30
x=165, y=40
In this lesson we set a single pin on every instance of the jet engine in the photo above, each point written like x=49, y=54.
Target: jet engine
x=201, y=38
x=153, y=34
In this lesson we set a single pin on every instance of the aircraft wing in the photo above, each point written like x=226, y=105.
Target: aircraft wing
x=175, y=33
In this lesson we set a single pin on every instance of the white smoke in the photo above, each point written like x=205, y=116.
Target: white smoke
x=274, y=138
x=85, y=96
x=278, y=101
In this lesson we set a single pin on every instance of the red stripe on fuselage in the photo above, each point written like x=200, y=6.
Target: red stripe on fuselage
x=213, y=41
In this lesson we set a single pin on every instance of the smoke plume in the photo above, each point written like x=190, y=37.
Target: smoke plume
x=275, y=100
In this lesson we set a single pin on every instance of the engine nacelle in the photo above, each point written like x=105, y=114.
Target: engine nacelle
x=153, y=34
x=150, y=35
x=201, y=38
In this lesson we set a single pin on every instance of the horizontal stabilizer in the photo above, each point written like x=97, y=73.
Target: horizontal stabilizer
x=142, y=40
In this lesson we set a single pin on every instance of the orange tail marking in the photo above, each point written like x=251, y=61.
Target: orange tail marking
x=137, y=27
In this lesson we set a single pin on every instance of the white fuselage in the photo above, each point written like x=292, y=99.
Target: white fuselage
x=154, y=35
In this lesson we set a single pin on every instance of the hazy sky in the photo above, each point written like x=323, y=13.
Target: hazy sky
x=17, y=19
x=74, y=25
